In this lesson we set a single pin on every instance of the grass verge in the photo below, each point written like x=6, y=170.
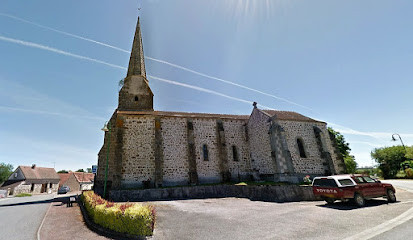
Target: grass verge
x=23, y=195
x=131, y=218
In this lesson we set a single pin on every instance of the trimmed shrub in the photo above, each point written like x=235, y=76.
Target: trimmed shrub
x=409, y=173
x=130, y=218
x=23, y=195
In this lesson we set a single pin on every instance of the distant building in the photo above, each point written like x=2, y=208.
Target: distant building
x=151, y=148
x=34, y=180
x=77, y=181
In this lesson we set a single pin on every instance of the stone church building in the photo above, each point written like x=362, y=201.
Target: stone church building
x=152, y=148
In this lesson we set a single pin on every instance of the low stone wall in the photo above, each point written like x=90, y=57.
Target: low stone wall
x=288, y=193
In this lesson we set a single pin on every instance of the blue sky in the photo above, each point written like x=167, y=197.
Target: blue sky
x=348, y=63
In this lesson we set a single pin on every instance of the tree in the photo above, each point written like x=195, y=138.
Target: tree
x=389, y=159
x=80, y=170
x=63, y=171
x=89, y=170
x=5, y=171
x=344, y=150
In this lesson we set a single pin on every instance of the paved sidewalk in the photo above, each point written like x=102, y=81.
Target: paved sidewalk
x=62, y=222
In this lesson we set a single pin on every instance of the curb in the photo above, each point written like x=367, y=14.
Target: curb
x=104, y=231
x=44, y=218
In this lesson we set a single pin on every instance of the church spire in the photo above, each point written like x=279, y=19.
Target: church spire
x=137, y=59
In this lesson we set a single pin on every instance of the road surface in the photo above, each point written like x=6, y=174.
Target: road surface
x=20, y=217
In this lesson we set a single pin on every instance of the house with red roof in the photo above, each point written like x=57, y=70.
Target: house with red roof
x=79, y=181
x=32, y=179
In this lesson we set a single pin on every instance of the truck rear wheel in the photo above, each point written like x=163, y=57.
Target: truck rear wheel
x=359, y=200
x=391, y=196
x=329, y=200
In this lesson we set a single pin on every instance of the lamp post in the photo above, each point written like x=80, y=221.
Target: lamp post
x=106, y=128
x=394, y=139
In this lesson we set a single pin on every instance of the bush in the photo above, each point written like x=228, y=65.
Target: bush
x=130, y=218
x=23, y=195
x=409, y=173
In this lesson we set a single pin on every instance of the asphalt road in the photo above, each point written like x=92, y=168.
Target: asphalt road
x=20, y=217
x=236, y=218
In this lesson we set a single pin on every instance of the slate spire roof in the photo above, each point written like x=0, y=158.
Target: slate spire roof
x=137, y=58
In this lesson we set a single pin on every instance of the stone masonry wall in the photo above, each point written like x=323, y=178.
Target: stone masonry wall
x=259, y=142
x=138, y=150
x=205, y=133
x=313, y=163
x=235, y=134
x=175, y=168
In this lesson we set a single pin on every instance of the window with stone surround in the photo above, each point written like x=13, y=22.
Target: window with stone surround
x=235, y=153
x=300, y=146
x=205, y=152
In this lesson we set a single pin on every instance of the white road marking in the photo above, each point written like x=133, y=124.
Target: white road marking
x=384, y=227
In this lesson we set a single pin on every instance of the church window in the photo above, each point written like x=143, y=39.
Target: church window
x=136, y=98
x=235, y=154
x=205, y=152
x=300, y=145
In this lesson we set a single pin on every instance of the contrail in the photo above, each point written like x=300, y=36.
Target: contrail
x=48, y=113
x=205, y=90
x=226, y=81
x=39, y=46
x=55, y=50
x=157, y=60
x=62, y=32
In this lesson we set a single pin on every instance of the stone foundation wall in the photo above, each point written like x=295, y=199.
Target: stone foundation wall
x=291, y=193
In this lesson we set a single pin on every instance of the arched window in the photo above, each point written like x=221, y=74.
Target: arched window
x=205, y=152
x=301, y=148
x=235, y=154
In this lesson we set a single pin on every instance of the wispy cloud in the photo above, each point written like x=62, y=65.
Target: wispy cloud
x=58, y=51
x=377, y=135
x=156, y=60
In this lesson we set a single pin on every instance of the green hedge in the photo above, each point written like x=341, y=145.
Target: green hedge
x=130, y=218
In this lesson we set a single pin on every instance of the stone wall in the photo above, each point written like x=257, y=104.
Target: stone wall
x=236, y=136
x=205, y=133
x=259, y=142
x=138, y=159
x=313, y=163
x=175, y=148
x=290, y=193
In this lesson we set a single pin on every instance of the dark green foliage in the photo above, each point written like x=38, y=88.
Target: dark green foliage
x=5, y=171
x=389, y=159
x=89, y=170
x=62, y=171
x=344, y=150
x=80, y=170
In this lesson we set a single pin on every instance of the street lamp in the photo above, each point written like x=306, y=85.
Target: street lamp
x=106, y=128
x=394, y=139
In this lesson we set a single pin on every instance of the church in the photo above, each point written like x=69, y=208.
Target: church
x=147, y=148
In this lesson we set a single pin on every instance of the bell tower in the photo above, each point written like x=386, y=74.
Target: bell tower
x=136, y=95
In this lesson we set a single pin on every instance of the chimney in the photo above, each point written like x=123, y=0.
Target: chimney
x=33, y=166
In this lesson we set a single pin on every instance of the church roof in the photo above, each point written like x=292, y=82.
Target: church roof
x=185, y=114
x=137, y=60
x=287, y=115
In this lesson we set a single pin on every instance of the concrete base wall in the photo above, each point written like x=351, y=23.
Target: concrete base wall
x=290, y=193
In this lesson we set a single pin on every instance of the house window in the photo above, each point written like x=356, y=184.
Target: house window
x=301, y=148
x=235, y=154
x=205, y=152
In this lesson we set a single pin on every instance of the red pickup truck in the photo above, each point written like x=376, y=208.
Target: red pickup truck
x=356, y=187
